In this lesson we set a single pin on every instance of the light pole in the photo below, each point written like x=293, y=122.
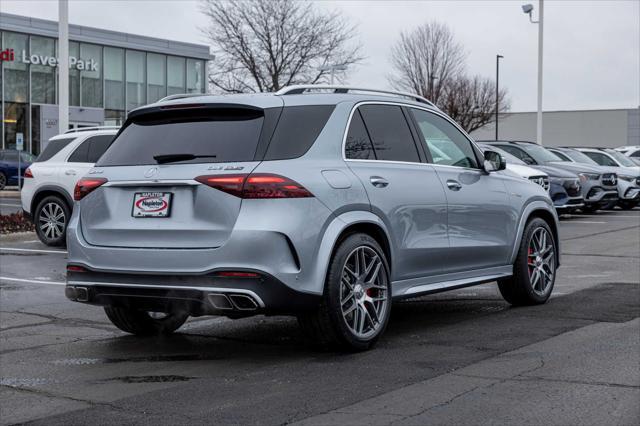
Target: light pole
x=528, y=9
x=333, y=68
x=63, y=66
x=498, y=57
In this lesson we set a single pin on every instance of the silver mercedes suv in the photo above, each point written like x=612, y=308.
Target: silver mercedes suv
x=322, y=202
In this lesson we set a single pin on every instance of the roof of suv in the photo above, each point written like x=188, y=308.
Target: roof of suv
x=87, y=131
x=295, y=96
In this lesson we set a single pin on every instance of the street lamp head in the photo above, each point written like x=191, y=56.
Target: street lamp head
x=527, y=8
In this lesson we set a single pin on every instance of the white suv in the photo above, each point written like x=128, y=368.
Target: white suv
x=47, y=192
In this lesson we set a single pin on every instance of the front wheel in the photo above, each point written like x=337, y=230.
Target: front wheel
x=534, y=271
x=143, y=323
x=356, y=303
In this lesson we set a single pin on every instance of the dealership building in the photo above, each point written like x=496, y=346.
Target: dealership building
x=596, y=128
x=110, y=73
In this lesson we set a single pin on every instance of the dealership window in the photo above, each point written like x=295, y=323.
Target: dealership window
x=15, y=73
x=91, y=76
x=195, y=76
x=43, y=75
x=15, y=124
x=156, y=77
x=35, y=130
x=113, y=117
x=113, y=78
x=74, y=76
x=136, y=87
x=175, y=75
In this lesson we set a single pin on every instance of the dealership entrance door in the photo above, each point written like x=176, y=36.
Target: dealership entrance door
x=45, y=122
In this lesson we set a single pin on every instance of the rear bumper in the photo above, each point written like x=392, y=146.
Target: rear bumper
x=203, y=294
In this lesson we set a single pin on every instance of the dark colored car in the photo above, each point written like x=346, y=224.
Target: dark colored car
x=598, y=188
x=9, y=166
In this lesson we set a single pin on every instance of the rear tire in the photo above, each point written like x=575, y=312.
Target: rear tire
x=51, y=217
x=141, y=323
x=534, y=271
x=356, y=303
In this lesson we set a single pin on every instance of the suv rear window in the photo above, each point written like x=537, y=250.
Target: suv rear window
x=53, y=147
x=229, y=134
x=298, y=128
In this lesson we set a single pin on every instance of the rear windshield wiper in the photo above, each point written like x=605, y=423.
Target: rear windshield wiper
x=172, y=158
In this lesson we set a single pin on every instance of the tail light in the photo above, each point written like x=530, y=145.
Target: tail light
x=257, y=185
x=75, y=268
x=27, y=173
x=85, y=186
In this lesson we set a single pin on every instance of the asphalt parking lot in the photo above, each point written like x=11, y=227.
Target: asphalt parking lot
x=464, y=357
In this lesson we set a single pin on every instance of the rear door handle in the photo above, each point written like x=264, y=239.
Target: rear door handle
x=70, y=172
x=378, y=182
x=454, y=185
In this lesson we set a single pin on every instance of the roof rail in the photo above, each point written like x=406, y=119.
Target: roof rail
x=301, y=88
x=89, y=129
x=181, y=96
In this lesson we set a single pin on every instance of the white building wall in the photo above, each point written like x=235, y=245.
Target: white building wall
x=611, y=128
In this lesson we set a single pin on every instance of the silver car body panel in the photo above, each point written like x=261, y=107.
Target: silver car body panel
x=437, y=239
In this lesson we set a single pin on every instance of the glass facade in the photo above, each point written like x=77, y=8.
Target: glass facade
x=113, y=79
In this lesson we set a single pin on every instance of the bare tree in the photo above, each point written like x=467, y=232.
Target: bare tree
x=471, y=102
x=428, y=61
x=264, y=45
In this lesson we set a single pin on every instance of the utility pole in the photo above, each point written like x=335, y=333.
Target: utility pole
x=498, y=57
x=540, y=32
x=528, y=9
x=63, y=66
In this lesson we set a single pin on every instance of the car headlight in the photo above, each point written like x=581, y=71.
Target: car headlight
x=626, y=177
x=588, y=176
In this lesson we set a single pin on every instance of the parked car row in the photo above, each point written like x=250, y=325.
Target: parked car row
x=585, y=179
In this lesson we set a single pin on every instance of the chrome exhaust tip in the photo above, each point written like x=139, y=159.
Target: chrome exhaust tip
x=220, y=301
x=242, y=302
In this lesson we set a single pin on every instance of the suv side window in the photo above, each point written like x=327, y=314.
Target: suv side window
x=98, y=146
x=91, y=150
x=53, y=147
x=390, y=133
x=80, y=153
x=601, y=159
x=358, y=145
x=515, y=151
x=447, y=145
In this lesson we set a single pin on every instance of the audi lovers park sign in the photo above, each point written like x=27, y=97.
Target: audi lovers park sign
x=8, y=55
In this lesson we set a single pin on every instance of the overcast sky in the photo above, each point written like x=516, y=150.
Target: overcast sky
x=591, y=53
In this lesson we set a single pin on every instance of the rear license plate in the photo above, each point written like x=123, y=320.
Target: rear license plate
x=151, y=204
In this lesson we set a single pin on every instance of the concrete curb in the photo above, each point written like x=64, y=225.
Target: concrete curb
x=9, y=194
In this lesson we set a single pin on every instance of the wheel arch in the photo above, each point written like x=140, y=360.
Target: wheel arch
x=347, y=224
x=542, y=210
x=49, y=190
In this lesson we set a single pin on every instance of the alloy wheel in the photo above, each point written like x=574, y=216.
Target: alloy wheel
x=52, y=221
x=541, y=261
x=364, y=297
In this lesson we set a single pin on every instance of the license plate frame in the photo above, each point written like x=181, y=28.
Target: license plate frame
x=152, y=209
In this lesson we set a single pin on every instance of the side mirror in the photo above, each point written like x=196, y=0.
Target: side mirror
x=493, y=162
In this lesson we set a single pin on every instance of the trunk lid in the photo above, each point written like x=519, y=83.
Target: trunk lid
x=149, y=205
